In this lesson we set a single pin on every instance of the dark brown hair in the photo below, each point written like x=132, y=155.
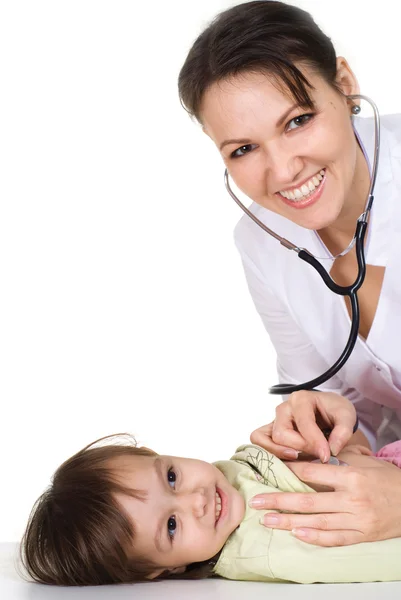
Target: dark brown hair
x=78, y=534
x=263, y=36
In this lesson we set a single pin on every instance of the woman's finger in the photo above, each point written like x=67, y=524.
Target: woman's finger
x=344, y=421
x=340, y=414
x=340, y=537
x=284, y=432
x=323, y=521
x=263, y=437
x=286, y=436
x=304, y=415
x=299, y=503
x=331, y=476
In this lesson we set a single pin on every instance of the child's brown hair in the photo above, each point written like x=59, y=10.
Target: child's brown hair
x=78, y=534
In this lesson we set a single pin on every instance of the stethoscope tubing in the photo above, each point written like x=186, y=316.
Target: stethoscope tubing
x=351, y=292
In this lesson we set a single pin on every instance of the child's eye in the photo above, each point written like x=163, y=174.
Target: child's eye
x=246, y=149
x=171, y=526
x=171, y=477
x=299, y=121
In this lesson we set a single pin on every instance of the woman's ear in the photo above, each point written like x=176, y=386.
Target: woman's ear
x=345, y=78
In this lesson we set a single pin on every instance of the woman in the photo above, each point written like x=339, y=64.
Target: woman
x=267, y=87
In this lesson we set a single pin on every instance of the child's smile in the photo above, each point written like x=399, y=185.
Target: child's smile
x=182, y=510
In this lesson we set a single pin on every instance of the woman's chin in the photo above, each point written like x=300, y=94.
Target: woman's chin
x=319, y=219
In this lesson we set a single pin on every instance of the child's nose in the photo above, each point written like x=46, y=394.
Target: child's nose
x=196, y=503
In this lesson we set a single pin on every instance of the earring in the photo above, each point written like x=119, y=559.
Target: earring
x=356, y=109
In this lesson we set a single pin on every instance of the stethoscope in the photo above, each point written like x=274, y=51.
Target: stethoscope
x=350, y=290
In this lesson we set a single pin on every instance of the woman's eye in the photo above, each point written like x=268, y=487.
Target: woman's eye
x=299, y=121
x=171, y=477
x=246, y=149
x=171, y=526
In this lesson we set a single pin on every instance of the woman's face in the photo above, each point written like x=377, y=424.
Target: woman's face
x=304, y=165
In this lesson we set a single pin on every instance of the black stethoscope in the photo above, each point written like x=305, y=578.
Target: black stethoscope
x=350, y=290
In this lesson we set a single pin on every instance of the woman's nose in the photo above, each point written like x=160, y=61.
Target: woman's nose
x=283, y=166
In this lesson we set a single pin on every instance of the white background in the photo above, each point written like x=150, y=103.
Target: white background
x=123, y=305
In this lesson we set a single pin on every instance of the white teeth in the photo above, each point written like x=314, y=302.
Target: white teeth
x=218, y=505
x=305, y=189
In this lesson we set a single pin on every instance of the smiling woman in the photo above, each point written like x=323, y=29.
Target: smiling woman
x=267, y=87
x=286, y=149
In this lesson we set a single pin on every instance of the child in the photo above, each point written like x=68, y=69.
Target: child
x=120, y=513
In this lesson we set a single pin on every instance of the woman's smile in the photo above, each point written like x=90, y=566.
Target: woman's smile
x=305, y=194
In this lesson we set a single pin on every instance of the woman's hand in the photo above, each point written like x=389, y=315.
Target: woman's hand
x=364, y=505
x=298, y=422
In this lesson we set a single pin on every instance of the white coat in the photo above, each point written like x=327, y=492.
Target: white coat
x=309, y=325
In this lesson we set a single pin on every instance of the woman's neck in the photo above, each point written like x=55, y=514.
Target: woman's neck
x=337, y=236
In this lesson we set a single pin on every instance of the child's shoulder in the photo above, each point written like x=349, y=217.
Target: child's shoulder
x=259, y=460
x=266, y=468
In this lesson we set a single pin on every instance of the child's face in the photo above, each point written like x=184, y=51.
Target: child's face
x=179, y=521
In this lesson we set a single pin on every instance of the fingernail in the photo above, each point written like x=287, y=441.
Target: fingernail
x=290, y=453
x=256, y=502
x=324, y=457
x=299, y=532
x=269, y=520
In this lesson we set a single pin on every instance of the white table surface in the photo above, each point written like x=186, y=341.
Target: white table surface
x=12, y=587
